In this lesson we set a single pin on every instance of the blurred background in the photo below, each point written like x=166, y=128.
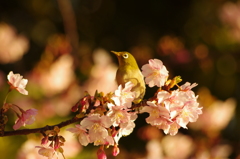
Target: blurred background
x=63, y=48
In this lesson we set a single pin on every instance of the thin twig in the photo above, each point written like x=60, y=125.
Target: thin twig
x=69, y=22
x=42, y=129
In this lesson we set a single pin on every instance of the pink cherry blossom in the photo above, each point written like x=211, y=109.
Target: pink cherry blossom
x=183, y=107
x=81, y=132
x=172, y=129
x=158, y=115
x=46, y=151
x=190, y=110
x=125, y=128
x=104, y=141
x=27, y=117
x=97, y=125
x=118, y=112
x=189, y=93
x=124, y=96
x=162, y=96
x=173, y=101
x=188, y=86
x=17, y=82
x=155, y=73
x=174, y=109
x=118, y=115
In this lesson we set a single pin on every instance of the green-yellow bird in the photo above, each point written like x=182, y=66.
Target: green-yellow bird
x=128, y=70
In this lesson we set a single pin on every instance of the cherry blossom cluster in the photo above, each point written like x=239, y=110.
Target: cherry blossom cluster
x=169, y=109
x=104, y=119
x=108, y=118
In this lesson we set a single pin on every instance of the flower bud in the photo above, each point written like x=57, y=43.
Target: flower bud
x=75, y=108
x=44, y=140
x=116, y=150
x=57, y=143
x=101, y=153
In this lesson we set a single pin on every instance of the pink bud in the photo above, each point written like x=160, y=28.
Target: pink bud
x=74, y=108
x=116, y=150
x=57, y=143
x=44, y=140
x=101, y=153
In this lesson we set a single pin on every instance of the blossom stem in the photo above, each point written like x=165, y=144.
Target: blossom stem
x=20, y=109
x=5, y=100
x=63, y=155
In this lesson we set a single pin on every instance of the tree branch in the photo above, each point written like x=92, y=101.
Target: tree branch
x=42, y=129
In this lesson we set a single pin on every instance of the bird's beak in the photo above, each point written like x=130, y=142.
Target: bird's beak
x=116, y=53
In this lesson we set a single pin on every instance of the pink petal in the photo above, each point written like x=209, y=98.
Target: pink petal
x=18, y=124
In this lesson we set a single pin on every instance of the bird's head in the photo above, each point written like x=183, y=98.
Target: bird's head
x=125, y=59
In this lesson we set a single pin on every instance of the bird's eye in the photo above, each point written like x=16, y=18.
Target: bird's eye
x=125, y=56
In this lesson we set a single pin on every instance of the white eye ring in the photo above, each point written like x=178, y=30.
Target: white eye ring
x=125, y=56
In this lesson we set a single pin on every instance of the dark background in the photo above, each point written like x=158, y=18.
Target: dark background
x=196, y=39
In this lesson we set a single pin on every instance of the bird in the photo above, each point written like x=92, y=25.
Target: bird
x=128, y=70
